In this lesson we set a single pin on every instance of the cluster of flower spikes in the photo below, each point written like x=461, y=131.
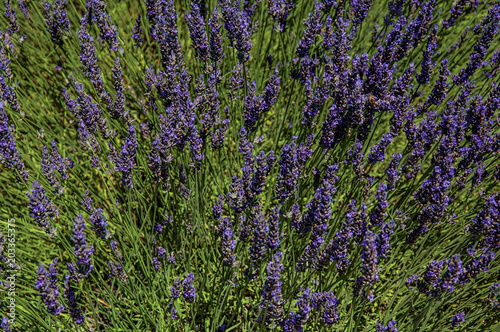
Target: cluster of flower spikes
x=137, y=32
x=279, y=11
x=97, y=15
x=292, y=161
x=485, y=226
x=391, y=327
x=237, y=25
x=188, y=293
x=316, y=218
x=255, y=106
x=97, y=219
x=245, y=192
x=325, y=303
x=75, y=311
x=57, y=20
x=88, y=58
x=434, y=282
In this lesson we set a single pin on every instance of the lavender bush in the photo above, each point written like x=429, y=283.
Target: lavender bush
x=223, y=165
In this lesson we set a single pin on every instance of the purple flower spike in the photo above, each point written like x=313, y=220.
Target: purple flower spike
x=279, y=11
x=74, y=309
x=272, y=298
x=82, y=250
x=46, y=284
x=189, y=292
x=199, y=39
x=314, y=26
x=10, y=157
x=457, y=320
x=41, y=209
x=391, y=327
x=137, y=32
x=326, y=303
x=99, y=224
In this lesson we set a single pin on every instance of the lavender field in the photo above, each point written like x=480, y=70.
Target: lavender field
x=250, y=165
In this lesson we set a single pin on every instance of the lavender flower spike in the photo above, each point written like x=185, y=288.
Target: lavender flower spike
x=46, y=284
x=82, y=250
x=189, y=293
x=42, y=209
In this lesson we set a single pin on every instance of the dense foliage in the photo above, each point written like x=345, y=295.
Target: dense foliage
x=221, y=165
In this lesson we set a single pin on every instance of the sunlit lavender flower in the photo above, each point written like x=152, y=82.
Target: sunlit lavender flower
x=236, y=83
x=314, y=26
x=279, y=11
x=119, y=104
x=8, y=94
x=5, y=64
x=310, y=255
x=219, y=135
x=480, y=51
x=478, y=265
x=457, y=320
x=11, y=17
x=380, y=212
x=455, y=13
x=272, y=298
x=108, y=31
x=392, y=171
x=41, y=209
x=369, y=267
x=292, y=161
x=87, y=201
x=46, y=284
x=99, y=224
x=126, y=162
x=57, y=20
x=54, y=162
x=4, y=324
x=327, y=304
x=451, y=276
x=216, y=49
x=199, y=39
x=10, y=157
x=492, y=296
x=137, y=32
x=377, y=152
x=88, y=56
x=440, y=88
x=391, y=327
x=217, y=208
x=116, y=270
x=298, y=320
x=237, y=29
x=74, y=309
x=383, y=239
x=261, y=227
x=24, y=9
x=189, y=292
x=319, y=209
x=360, y=10
x=82, y=250
x=427, y=65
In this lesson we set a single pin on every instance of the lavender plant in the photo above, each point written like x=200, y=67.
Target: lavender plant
x=226, y=165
